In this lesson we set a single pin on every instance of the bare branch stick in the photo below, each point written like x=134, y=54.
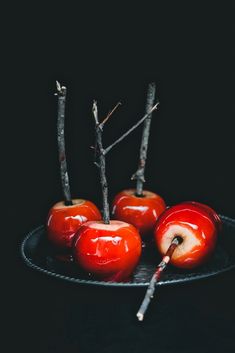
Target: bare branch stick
x=107, y=149
x=139, y=174
x=101, y=165
x=152, y=285
x=61, y=92
x=109, y=114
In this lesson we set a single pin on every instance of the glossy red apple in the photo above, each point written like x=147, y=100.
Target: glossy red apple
x=108, y=251
x=64, y=221
x=142, y=212
x=210, y=210
x=195, y=227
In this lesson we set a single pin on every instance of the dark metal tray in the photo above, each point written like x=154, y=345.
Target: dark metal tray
x=39, y=255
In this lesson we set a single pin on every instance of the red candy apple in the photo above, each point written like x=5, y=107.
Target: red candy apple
x=66, y=217
x=186, y=236
x=64, y=221
x=138, y=206
x=142, y=212
x=195, y=226
x=108, y=251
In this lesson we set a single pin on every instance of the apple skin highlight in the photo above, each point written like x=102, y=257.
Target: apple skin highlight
x=210, y=210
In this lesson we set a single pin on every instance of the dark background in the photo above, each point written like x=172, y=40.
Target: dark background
x=110, y=52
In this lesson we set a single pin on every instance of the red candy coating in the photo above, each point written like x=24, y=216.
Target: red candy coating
x=211, y=212
x=64, y=221
x=108, y=251
x=142, y=212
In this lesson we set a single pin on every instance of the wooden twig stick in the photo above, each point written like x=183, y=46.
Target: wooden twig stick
x=109, y=114
x=100, y=152
x=107, y=149
x=101, y=164
x=61, y=92
x=139, y=174
x=152, y=285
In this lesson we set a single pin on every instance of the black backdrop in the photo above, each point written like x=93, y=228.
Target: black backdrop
x=110, y=53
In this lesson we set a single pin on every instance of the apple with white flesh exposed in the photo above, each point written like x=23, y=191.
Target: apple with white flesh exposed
x=196, y=225
x=186, y=236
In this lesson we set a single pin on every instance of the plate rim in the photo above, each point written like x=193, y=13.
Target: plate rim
x=74, y=280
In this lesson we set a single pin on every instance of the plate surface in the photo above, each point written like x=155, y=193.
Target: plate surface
x=39, y=255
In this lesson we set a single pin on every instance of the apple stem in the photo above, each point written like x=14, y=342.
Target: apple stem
x=139, y=174
x=61, y=93
x=101, y=165
x=155, y=278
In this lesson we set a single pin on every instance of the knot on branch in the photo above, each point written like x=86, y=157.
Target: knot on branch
x=102, y=151
x=138, y=175
x=99, y=128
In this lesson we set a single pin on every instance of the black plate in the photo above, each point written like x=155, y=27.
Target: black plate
x=39, y=255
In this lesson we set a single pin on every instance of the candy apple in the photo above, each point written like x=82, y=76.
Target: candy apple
x=186, y=236
x=141, y=211
x=195, y=226
x=64, y=221
x=109, y=251
x=138, y=206
x=66, y=217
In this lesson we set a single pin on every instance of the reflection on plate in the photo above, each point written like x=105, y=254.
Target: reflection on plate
x=39, y=255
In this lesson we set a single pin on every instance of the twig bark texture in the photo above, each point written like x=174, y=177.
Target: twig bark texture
x=61, y=93
x=139, y=174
